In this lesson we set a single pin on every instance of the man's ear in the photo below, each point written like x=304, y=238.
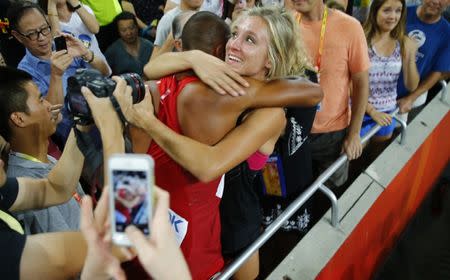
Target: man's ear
x=219, y=51
x=17, y=36
x=18, y=119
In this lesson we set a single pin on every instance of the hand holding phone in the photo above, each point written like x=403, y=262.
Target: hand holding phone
x=131, y=182
x=60, y=43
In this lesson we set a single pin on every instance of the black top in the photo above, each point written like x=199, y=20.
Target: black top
x=12, y=243
x=8, y=193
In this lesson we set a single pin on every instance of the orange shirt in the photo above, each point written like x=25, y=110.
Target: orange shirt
x=344, y=53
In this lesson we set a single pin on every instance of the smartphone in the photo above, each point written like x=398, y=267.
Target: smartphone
x=131, y=182
x=60, y=43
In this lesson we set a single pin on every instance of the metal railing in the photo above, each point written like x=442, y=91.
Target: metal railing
x=443, y=91
x=318, y=184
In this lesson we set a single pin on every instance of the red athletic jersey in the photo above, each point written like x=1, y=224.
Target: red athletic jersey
x=194, y=205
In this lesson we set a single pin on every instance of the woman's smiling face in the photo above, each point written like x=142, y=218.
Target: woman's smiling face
x=247, y=50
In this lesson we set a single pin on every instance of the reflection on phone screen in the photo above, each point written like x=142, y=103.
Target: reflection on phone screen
x=130, y=199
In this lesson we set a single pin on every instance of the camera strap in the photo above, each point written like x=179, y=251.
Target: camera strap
x=93, y=157
x=116, y=106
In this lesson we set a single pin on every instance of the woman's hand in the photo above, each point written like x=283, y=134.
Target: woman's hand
x=137, y=113
x=217, y=74
x=381, y=118
x=160, y=255
x=100, y=263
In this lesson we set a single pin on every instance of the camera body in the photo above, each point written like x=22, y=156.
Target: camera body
x=101, y=87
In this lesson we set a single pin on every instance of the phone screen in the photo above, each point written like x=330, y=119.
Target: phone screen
x=131, y=203
x=60, y=43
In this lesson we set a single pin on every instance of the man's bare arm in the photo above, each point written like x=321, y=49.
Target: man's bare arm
x=58, y=187
x=352, y=143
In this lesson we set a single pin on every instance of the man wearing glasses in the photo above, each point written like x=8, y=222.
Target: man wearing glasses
x=49, y=69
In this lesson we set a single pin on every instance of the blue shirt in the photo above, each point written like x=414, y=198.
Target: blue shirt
x=433, y=54
x=40, y=70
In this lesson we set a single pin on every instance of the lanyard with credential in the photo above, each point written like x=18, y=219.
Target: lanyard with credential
x=11, y=222
x=25, y=156
x=322, y=35
x=31, y=158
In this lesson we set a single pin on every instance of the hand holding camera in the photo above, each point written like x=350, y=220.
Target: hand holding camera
x=99, y=86
x=136, y=113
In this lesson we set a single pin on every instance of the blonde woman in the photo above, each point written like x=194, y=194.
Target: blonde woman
x=263, y=46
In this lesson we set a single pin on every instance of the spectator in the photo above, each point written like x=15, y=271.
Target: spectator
x=390, y=51
x=173, y=41
x=213, y=6
x=360, y=10
x=338, y=49
x=11, y=50
x=130, y=53
x=105, y=11
x=28, y=123
x=76, y=19
x=49, y=70
x=164, y=27
x=426, y=26
x=148, y=13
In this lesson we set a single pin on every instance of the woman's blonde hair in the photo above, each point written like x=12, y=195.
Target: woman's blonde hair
x=286, y=52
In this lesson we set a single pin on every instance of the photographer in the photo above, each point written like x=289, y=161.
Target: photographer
x=50, y=255
x=49, y=69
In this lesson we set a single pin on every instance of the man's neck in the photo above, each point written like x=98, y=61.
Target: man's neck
x=35, y=147
x=426, y=18
x=315, y=13
x=185, y=7
x=132, y=46
x=43, y=57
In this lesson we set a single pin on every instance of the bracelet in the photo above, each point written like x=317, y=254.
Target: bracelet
x=92, y=58
x=53, y=15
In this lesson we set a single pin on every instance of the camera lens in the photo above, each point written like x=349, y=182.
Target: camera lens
x=137, y=85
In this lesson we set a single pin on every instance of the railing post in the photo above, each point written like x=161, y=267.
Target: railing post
x=334, y=204
x=403, y=132
x=443, y=91
x=295, y=205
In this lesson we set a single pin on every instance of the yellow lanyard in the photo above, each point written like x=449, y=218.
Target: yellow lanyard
x=11, y=222
x=31, y=158
x=25, y=156
x=322, y=35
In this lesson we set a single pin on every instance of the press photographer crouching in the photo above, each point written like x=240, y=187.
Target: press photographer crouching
x=89, y=143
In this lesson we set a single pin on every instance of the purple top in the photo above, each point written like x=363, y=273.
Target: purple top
x=383, y=76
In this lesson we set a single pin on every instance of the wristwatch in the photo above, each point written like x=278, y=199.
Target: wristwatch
x=77, y=6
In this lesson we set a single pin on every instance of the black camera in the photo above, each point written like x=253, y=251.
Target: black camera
x=101, y=87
